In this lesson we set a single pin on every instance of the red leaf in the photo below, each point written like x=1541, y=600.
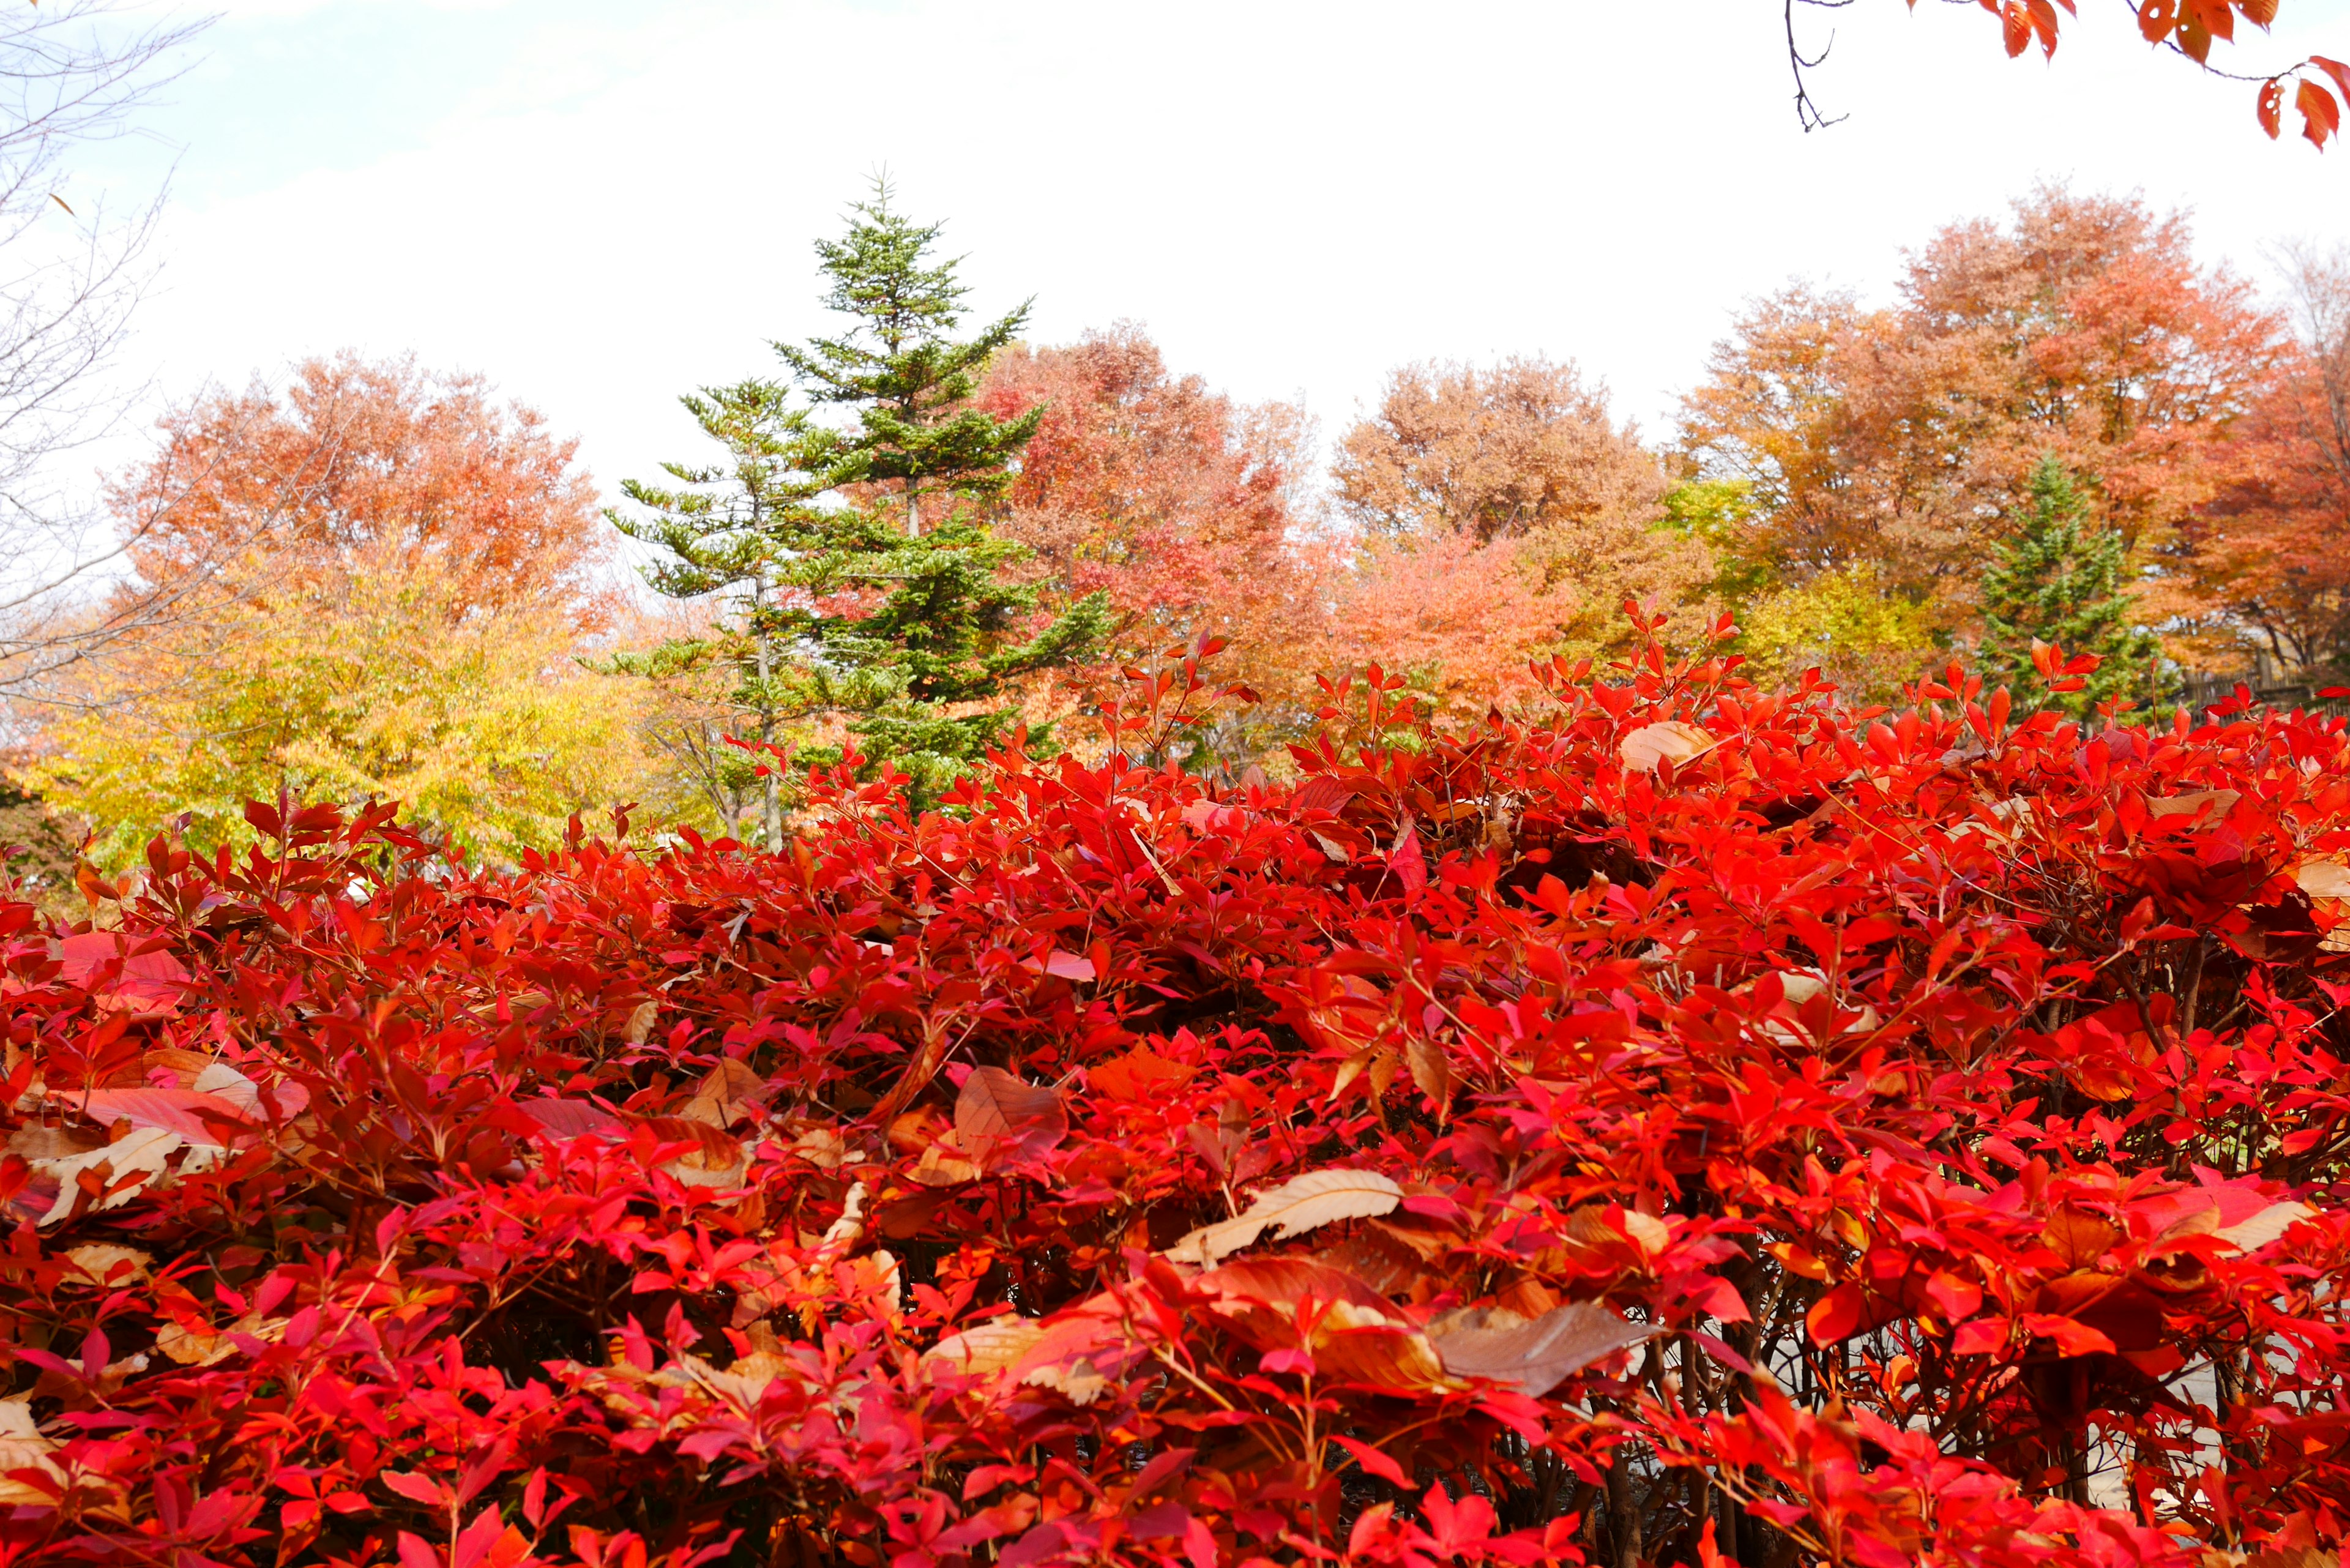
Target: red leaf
x=570, y=1119
x=1405, y=860
x=2072, y=1337
x=1067, y=965
x=1373, y=1461
x=147, y=984
x=2321, y=117
x=1835, y=1316
x=198, y=1118
x=416, y=1488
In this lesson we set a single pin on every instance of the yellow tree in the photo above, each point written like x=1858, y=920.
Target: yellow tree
x=397, y=571
x=385, y=684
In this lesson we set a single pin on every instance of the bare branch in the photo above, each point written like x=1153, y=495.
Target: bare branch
x=1807, y=110
x=71, y=72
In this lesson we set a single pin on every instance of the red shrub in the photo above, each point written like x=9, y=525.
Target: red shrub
x=1685, y=1124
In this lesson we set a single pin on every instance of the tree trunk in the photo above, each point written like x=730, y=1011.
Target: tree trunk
x=772, y=797
x=1623, y=1512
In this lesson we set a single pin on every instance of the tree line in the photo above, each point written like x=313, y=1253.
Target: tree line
x=919, y=541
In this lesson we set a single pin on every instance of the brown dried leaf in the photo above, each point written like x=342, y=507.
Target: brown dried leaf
x=1386, y=1268
x=1431, y=1072
x=188, y=1346
x=2251, y=1235
x=820, y=1147
x=23, y=1447
x=1532, y=1356
x=1421, y=1242
x=36, y=1142
x=1295, y=1207
x=2324, y=879
x=943, y=1164
x=1669, y=741
x=993, y=1346
x=1372, y=1346
x=1357, y=1333
x=714, y=1160
x=2079, y=1237
x=999, y=1117
x=2221, y=802
x=203, y=1348
x=98, y=1259
x=729, y=1093
x=125, y=1167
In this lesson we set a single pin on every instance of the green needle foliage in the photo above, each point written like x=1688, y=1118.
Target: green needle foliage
x=901, y=371
x=2059, y=580
x=856, y=578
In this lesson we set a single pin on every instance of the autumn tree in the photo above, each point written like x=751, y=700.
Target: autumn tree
x=377, y=462
x=2060, y=580
x=408, y=577
x=1525, y=462
x=1150, y=488
x=388, y=684
x=1458, y=620
x=2268, y=560
x=1492, y=453
x=1903, y=439
x=864, y=595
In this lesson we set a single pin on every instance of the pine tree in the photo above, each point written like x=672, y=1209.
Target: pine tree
x=840, y=603
x=2059, y=580
x=751, y=529
x=900, y=369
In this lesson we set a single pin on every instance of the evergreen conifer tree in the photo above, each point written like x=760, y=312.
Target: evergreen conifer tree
x=2059, y=580
x=859, y=582
x=903, y=372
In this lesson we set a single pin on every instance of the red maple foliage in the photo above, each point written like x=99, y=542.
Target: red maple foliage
x=1680, y=1122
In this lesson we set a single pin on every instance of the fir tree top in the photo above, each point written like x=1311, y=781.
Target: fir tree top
x=901, y=368
x=846, y=606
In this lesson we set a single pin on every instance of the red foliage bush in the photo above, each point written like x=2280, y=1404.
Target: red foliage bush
x=1681, y=1124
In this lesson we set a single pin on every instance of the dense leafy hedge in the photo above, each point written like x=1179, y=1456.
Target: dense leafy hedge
x=1682, y=1125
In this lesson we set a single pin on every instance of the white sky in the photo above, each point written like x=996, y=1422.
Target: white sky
x=600, y=204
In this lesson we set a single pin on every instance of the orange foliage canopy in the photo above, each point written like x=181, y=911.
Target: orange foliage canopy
x=1492, y=453
x=1459, y=620
x=379, y=462
x=1901, y=437
x=2271, y=554
x=1504, y=514
x=1150, y=485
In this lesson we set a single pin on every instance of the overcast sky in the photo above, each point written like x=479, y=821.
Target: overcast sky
x=600, y=204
